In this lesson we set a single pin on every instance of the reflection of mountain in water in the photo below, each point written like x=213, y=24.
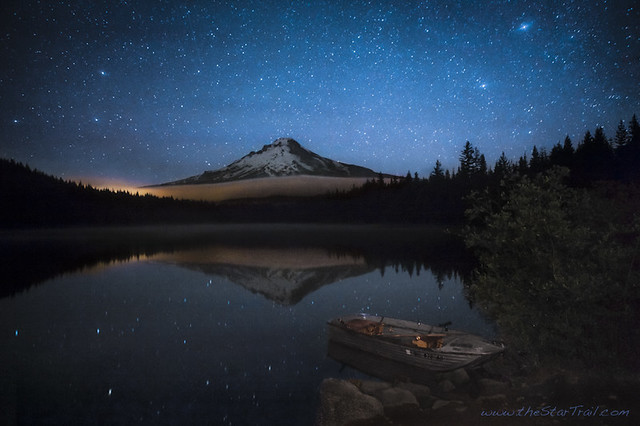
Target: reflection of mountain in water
x=326, y=253
x=283, y=275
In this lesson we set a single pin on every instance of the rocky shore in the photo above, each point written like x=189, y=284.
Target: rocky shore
x=493, y=394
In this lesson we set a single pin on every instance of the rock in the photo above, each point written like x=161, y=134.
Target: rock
x=341, y=403
x=491, y=387
x=395, y=398
x=457, y=377
x=492, y=400
x=439, y=404
x=429, y=401
x=419, y=391
x=447, y=386
x=370, y=387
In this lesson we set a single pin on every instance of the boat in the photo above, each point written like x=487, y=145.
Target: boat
x=418, y=345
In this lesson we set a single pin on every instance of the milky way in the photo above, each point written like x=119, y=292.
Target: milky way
x=151, y=91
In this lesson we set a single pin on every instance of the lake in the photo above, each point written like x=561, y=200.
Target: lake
x=204, y=324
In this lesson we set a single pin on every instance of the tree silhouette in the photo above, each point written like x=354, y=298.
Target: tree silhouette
x=594, y=158
x=622, y=136
x=562, y=155
x=438, y=173
x=502, y=168
x=468, y=162
x=629, y=153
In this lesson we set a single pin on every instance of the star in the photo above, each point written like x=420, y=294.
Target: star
x=524, y=26
x=387, y=84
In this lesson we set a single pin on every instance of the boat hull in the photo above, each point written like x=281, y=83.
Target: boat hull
x=396, y=341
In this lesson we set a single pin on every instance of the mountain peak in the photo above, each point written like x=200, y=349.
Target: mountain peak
x=285, y=142
x=283, y=157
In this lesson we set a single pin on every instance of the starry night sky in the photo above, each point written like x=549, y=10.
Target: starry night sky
x=152, y=91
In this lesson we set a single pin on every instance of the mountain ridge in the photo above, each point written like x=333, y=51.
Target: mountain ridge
x=283, y=157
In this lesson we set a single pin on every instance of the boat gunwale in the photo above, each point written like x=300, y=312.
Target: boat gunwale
x=488, y=348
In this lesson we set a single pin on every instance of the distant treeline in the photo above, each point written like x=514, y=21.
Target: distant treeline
x=32, y=199
x=443, y=195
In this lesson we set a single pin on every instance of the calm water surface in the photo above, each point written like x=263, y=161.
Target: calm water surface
x=210, y=333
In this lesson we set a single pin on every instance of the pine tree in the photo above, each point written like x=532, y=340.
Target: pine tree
x=594, y=157
x=629, y=154
x=482, y=165
x=535, y=165
x=567, y=147
x=587, y=141
x=438, y=172
x=634, y=132
x=467, y=161
x=523, y=165
x=562, y=155
x=601, y=142
x=622, y=136
x=502, y=168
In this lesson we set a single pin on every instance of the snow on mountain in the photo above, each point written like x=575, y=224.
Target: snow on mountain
x=284, y=157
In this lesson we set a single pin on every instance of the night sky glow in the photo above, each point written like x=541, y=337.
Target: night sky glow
x=152, y=91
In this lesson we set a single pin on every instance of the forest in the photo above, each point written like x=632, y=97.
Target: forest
x=609, y=166
x=596, y=163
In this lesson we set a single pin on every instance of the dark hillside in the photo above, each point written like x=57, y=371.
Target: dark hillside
x=31, y=198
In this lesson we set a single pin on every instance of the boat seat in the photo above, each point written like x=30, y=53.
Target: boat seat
x=368, y=327
x=429, y=341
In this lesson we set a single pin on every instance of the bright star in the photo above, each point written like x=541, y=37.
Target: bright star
x=524, y=26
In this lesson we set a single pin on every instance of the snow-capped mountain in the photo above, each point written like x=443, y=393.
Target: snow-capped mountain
x=284, y=157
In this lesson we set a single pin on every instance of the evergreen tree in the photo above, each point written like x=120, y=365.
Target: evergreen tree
x=586, y=143
x=622, y=136
x=556, y=154
x=629, y=154
x=562, y=155
x=634, y=133
x=536, y=164
x=468, y=161
x=594, y=158
x=567, y=147
x=502, y=168
x=438, y=172
x=482, y=165
x=523, y=165
x=601, y=142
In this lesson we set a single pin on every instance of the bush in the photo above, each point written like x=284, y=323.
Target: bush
x=559, y=269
